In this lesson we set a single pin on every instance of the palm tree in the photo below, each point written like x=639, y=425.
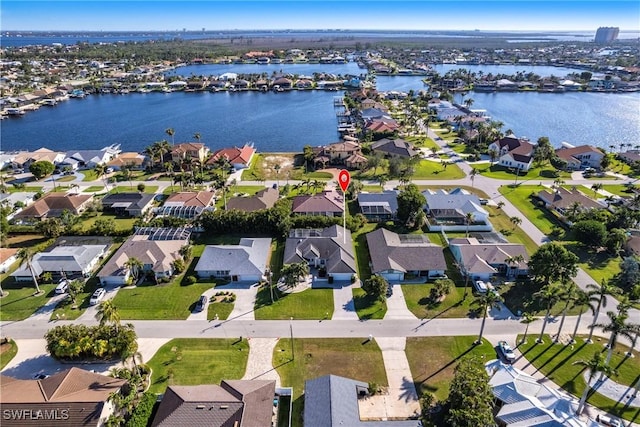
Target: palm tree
x=197, y=136
x=168, y=166
x=513, y=260
x=516, y=221
x=484, y=302
x=527, y=318
x=468, y=219
x=276, y=168
x=582, y=300
x=171, y=133
x=472, y=175
x=135, y=266
x=617, y=326
x=550, y=294
x=596, y=187
x=568, y=295
x=600, y=293
x=25, y=255
x=594, y=365
x=101, y=171
x=107, y=313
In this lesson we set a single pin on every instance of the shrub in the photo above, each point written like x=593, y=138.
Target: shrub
x=81, y=342
x=142, y=412
x=178, y=266
x=190, y=280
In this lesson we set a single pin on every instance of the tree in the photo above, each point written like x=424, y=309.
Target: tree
x=468, y=219
x=50, y=227
x=617, y=326
x=103, y=227
x=549, y=294
x=472, y=175
x=376, y=287
x=107, y=313
x=171, y=133
x=101, y=172
x=553, y=262
x=527, y=318
x=600, y=293
x=294, y=273
x=135, y=267
x=544, y=151
x=410, y=202
x=589, y=232
x=594, y=365
x=596, y=187
x=470, y=396
x=568, y=295
x=25, y=255
x=615, y=239
x=141, y=187
x=629, y=272
x=516, y=221
x=41, y=168
x=484, y=302
x=308, y=155
x=582, y=300
x=75, y=288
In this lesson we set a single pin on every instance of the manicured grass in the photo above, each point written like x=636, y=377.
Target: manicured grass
x=244, y=189
x=599, y=265
x=555, y=361
x=121, y=223
x=354, y=358
x=89, y=175
x=372, y=188
x=194, y=361
x=93, y=189
x=422, y=141
x=359, y=239
x=433, y=359
x=68, y=311
x=149, y=189
x=367, y=307
x=8, y=351
x=535, y=173
x=21, y=302
x=167, y=301
x=311, y=304
x=617, y=189
x=221, y=309
x=520, y=197
x=66, y=178
x=427, y=169
x=418, y=302
x=502, y=223
x=26, y=189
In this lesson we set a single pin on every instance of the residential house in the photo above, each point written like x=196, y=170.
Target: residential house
x=131, y=160
x=263, y=199
x=379, y=207
x=334, y=401
x=369, y=103
x=157, y=256
x=329, y=249
x=506, y=85
x=16, y=202
x=382, y=126
x=237, y=403
x=73, y=398
x=244, y=262
x=521, y=400
x=482, y=261
x=23, y=160
x=513, y=152
x=52, y=205
x=239, y=158
x=90, y=158
x=581, y=157
x=347, y=153
x=187, y=204
x=327, y=203
x=630, y=156
x=7, y=257
x=394, y=256
x=128, y=204
x=63, y=261
x=563, y=200
x=448, y=211
x=374, y=113
x=394, y=148
x=189, y=150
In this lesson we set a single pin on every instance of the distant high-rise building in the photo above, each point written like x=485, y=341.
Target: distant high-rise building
x=607, y=34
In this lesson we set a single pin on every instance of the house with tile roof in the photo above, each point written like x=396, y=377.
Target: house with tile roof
x=63, y=261
x=393, y=256
x=238, y=157
x=52, y=205
x=233, y=403
x=581, y=157
x=482, y=261
x=7, y=257
x=73, y=398
x=131, y=160
x=244, y=262
x=377, y=207
x=397, y=147
x=189, y=150
x=263, y=199
x=382, y=126
x=128, y=204
x=347, y=153
x=563, y=199
x=157, y=257
x=201, y=199
x=334, y=401
x=448, y=210
x=24, y=159
x=327, y=203
x=513, y=152
x=330, y=249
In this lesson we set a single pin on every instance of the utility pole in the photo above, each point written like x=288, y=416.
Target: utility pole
x=293, y=355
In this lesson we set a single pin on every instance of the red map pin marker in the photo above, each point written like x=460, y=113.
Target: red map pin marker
x=344, y=178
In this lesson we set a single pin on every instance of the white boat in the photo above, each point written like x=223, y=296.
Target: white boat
x=15, y=112
x=49, y=102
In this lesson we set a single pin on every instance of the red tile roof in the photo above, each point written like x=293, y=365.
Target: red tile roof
x=235, y=155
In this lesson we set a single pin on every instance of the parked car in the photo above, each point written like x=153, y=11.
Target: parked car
x=480, y=286
x=609, y=421
x=506, y=352
x=389, y=290
x=202, y=303
x=97, y=296
x=62, y=287
x=109, y=170
x=40, y=376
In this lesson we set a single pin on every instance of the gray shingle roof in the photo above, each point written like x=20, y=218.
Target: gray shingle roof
x=249, y=257
x=63, y=258
x=459, y=201
x=398, y=147
x=389, y=252
x=377, y=203
x=328, y=244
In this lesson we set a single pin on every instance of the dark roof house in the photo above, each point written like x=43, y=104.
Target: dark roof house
x=327, y=203
x=379, y=206
x=132, y=204
x=394, y=147
x=263, y=199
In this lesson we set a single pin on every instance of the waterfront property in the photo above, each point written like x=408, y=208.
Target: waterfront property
x=455, y=210
x=397, y=256
x=483, y=261
x=189, y=151
x=63, y=261
x=52, y=205
x=397, y=147
x=238, y=157
x=244, y=262
x=24, y=159
x=347, y=153
x=131, y=160
x=513, y=152
x=584, y=156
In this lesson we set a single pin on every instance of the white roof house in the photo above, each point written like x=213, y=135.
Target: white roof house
x=448, y=211
x=70, y=260
x=244, y=262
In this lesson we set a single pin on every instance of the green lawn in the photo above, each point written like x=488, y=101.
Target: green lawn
x=220, y=309
x=67, y=178
x=367, y=307
x=555, y=361
x=433, y=359
x=8, y=351
x=454, y=305
x=167, y=301
x=311, y=304
x=427, y=169
x=89, y=175
x=353, y=358
x=27, y=189
x=121, y=223
x=68, y=311
x=149, y=189
x=359, y=239
x=21, y=302
x=520, y=197
x=93, y=189
x=502, y=223
x=422, y=141
x=535, y=173
x=194, y=361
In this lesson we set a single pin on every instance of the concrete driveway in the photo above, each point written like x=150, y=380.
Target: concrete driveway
x=397, y=306
x=244, y=305
x=343, y=305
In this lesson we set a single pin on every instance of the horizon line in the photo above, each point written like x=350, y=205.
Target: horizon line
x=318, y=29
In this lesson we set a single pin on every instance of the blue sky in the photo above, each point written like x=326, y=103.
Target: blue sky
x=332, y=14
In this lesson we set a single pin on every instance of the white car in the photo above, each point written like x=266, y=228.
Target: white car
x=97, y=296
x=480, y=286
x=62, y=287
